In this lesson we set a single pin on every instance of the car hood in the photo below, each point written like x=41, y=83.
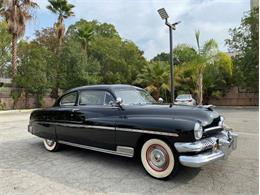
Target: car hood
x=194, y=113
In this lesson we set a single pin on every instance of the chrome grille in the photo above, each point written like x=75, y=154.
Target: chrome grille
x=208, y=143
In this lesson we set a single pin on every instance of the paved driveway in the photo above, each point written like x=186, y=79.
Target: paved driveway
x=27, y=168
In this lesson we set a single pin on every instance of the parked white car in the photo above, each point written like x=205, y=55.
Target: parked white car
x=185, y=99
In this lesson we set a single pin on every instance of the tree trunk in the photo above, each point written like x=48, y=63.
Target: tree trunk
x=14, y=54
x=26, y=99
x=200, y=88
x=55, y=90
x=156, y=94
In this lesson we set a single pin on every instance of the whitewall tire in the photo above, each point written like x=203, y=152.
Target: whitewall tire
x=50, y=145
x=158, y=159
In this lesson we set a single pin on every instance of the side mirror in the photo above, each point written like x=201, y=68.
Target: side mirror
x=119, y=101
x=160, y=100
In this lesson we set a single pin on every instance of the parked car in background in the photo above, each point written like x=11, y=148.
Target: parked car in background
x=125, y=120
x=185, y=99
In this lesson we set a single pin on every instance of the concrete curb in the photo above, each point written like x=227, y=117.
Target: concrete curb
x=17, y=111
x=237, y=107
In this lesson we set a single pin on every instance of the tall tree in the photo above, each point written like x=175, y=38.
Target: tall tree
x=120, y=60
x=16, y=14
x=204, y=58
x=64, y=10
x=85, y=35
x=244, y=46
x=32, y=73
x=5, y=49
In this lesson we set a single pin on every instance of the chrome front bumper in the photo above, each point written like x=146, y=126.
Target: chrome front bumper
x=208, y=149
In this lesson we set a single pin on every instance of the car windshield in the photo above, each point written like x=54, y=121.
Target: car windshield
x=134, y=96
x=183, y=97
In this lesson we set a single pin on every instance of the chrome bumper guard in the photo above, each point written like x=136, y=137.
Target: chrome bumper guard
x=217, y=147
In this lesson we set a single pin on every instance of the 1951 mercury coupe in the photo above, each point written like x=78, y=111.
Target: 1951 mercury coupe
x=125, y=120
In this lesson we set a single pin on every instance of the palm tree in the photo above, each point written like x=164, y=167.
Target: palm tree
x=64, y=11
x=205, y=57
x=85, y=34
x=154, y=77
x=16, y=14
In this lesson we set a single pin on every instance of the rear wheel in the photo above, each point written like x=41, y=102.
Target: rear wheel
x=158, y=159
x=51, y=145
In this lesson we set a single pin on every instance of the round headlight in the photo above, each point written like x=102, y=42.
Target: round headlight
x=198, y=131
x=221, y=122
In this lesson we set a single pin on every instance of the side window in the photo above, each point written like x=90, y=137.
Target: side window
x=69, y=100
x=89, y=97
x=109, y=98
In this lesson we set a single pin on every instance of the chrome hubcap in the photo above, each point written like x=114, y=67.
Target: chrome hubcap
x=157, y=158
x=50, y=142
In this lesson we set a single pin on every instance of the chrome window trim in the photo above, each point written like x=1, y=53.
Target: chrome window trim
x=110, y=128
x=127, y=152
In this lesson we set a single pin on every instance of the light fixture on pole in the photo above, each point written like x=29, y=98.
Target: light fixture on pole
x=165, y=17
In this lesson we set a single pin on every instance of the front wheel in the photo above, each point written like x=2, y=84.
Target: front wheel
x=51, y=145
x=158, y=159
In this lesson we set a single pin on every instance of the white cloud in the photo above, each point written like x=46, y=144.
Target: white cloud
x=139, y=21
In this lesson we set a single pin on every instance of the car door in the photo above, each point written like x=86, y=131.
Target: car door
x=94, y=119
x=64, y=116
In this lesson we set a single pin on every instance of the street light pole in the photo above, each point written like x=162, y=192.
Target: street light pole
x=171, y=64
x=165, y=16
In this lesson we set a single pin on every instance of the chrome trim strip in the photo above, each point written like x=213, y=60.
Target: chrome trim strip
x=118, y=152
x=147, y=131
x=86, y=126
x=78, y=125
x=110, y=128
x=125, y=150
x=212, y=128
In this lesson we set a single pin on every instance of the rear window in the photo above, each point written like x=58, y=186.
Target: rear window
x=69, y=100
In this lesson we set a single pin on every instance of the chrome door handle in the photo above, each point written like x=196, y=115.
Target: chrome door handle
x=75, y=109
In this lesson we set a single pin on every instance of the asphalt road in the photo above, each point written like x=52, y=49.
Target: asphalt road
x=27, y=168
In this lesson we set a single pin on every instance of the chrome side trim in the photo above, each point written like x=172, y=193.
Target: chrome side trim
x=110, y=128
x=86, y=126
x=212, y=128
x=127, y=151
x=77, y=125
x=147, y=131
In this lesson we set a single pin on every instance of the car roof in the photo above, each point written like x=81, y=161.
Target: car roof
x=104, y=86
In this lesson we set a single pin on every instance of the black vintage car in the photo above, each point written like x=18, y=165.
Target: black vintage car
x=125, y=120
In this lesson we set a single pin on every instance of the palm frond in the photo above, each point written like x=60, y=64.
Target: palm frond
x=197, y=36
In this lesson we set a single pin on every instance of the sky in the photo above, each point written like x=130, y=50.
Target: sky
x=139, y=21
